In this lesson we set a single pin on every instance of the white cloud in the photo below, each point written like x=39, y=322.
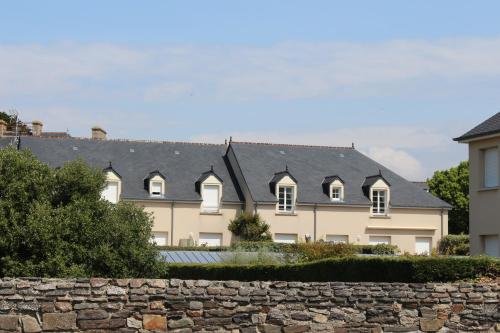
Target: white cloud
x=398, y=161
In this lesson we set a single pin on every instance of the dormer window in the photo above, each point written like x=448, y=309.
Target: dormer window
x=378, y=190
x=333, y=186
x=112, y=189
x=284, y=186
x=154, y=183
x=209, y=186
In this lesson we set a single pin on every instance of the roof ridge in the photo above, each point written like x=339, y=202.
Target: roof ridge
x=127, y=140
x=291, y=145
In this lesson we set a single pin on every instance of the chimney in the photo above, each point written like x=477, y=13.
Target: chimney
x=36, y=127
x=3, y=127
x=98, y=133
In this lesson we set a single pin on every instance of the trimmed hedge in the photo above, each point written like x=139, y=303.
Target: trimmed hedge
x=454, y=245
x=349, y=269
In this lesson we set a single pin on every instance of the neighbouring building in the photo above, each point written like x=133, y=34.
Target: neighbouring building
x=484, y=222
x=193, y=190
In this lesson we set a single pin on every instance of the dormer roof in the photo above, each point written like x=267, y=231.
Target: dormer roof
x=204, y=177
x=109, y=168
x=328, y=181
x=278, y=176
x=371, y=180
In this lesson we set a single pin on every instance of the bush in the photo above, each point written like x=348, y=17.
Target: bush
x=455, y=245
x=53, y=222
x=349, y=269
x=250, y=227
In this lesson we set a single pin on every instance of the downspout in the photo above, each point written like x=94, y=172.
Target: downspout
x=442, y=223
x=314, y=234
x=172, y=224
x=255, y=208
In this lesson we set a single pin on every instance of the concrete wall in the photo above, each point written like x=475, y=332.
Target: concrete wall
x=122, y=305
x=484, y=203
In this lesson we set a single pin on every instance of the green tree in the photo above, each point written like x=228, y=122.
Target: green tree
x=452, y=186
x=250, y=227
x=11, y=120
x=53, y=222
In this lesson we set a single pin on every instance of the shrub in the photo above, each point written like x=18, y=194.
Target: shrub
x=457, y=245
x=54, y=223
x=250, y=227
x=316, y=251
x=349, y=269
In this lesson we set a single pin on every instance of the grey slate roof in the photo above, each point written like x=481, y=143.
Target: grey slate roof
x=311, y=164
x=181, y=163
x=488, y=127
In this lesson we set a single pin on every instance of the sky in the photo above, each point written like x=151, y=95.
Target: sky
x=400, y=79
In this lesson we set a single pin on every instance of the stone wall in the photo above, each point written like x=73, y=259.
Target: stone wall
x=99, y=305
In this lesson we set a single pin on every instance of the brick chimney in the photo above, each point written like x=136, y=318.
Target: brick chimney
x=36, y=127
x=3, y=127
x=98, y=133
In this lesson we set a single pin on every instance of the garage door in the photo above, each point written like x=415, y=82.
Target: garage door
x=160, y=238
x=375, y=240
x=336, y=239
x=210, y=239
x=285, y=238
x=492, y=245
x=423, y=245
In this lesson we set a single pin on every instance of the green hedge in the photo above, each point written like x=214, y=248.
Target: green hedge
x=454, y=245
x=349, y=269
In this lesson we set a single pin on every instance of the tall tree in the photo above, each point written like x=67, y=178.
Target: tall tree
x=452, y=186
x=53, y=222
x=22, y=128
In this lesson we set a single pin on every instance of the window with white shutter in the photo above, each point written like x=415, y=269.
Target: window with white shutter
x=156, y=188
x=110, y=192
x=210, y=197
x=491, y=167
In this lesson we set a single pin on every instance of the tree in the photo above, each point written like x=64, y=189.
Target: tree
x=452, y=186
x=250, y=227
x=53, y=222
x=11, y=120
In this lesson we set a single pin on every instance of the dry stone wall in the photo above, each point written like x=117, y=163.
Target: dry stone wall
x=101, y=305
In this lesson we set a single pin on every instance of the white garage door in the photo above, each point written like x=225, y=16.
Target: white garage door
x=285, y=238
x=210, y=239
x=375, y=240
x=337, y=239
x=423, y=245
x=492, y=245
x=160, y=238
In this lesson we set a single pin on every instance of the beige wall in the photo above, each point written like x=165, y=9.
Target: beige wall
x=402, y=225
x=189, y=220
x=484, y=203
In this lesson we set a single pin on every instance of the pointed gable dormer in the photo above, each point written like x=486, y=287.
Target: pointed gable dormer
x=333, y=186
x=155, y=184
x=209, y=185
x=113, y=186
x=377, y=189
x=284, y=186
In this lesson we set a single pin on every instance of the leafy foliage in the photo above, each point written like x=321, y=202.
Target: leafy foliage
x=22, y=128
x=452, y=186
x=349, y=269
x=54, y=223
x=457, y=245
x=250, y=227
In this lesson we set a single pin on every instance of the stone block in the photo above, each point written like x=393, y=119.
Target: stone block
x=431, y=325
x=154, y=322
x=9, y=322
x=92, y=314
x=115, y=291
x=134, y=323
x=59, y=321
x=296, y=329
x=181, y=323
x=30, y=325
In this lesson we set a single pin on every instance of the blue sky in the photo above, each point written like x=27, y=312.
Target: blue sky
x=398, y=78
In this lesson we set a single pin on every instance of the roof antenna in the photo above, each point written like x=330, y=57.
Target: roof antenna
x=212, y=168
x=353, y=147
x=286, y=167
x=379, y=172
x=230, y=139
x=110, y=166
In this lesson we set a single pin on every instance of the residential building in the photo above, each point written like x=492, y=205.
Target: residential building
x=305, y=193
x=484, y=222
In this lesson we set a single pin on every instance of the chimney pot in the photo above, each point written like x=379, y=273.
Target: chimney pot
x=36, y=127
x=3, y=127
x=98, y=133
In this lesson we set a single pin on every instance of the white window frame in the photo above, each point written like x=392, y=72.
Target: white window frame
x=282, y=196
x=491, y=169
x=211, y=209
x=335, y=189
x=379, y=239
x=376, y=202
x=151, y=187
x=344, y=239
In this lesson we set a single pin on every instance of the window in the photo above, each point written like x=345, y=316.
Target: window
x=110, y=192
x=337, y=239
x=379, y=202
x=336, y=194
x=285, y=238
x=210, y=239
x=376, y=240
x=160, y=238
x=285, y=199
x=156, y=189
x=210, y=198
x=491, y=167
